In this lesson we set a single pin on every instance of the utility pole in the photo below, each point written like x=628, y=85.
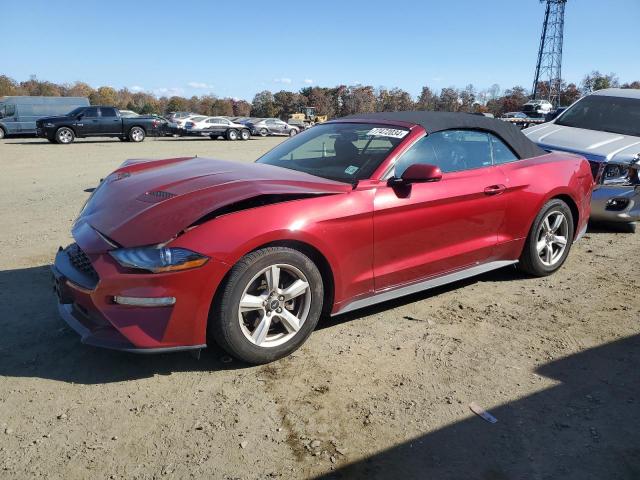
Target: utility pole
x=549, y=66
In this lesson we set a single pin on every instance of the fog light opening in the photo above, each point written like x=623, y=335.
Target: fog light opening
x=145, y=301
x=617, y=204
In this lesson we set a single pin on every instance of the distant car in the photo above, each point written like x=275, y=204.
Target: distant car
x=128, y=113
x=604, y=127
x=216, y=127
x=271, y=126
x=97, y=121
x=174, y=116
x=18, y=115
x=181, y=122
x=514, y=115
x=177, y=253
x=537, y=108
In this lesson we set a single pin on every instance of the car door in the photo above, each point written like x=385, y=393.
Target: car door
x=429, y=229
x=87, y=124
x=109, y=122
x=272, y=125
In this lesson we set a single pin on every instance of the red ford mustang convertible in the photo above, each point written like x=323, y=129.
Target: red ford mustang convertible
x=171, y=254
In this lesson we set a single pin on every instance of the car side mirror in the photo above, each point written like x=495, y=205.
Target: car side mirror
x=418, y=173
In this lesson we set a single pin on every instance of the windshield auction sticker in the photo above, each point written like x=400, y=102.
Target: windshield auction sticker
x=387, y=132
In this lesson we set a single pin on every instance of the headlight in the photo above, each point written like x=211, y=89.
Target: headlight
x=615, y=174
x=158, y=259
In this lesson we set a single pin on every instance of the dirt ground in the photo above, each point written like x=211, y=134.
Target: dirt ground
x=379, y=393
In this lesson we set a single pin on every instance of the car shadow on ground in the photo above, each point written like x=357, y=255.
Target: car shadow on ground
x=585, y=427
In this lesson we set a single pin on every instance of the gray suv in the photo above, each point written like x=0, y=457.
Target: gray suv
x=604, y=127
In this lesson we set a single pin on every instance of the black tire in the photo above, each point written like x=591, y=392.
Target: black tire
x=232, y=134
x=64, y=135
x=224, y=325
x=263, y=132
x=2, y=133
x=245, y=134
x=530, y=260
x=293, y=132
x=137, y=134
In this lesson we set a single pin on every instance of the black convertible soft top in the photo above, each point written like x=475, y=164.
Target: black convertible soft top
x=438, y=121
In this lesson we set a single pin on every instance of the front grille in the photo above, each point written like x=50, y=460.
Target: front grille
x=80, y=261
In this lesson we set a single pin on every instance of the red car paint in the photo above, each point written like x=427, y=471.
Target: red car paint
x=371, y=238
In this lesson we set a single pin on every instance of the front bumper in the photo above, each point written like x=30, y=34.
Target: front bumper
x=87, y=303
x=605, y=198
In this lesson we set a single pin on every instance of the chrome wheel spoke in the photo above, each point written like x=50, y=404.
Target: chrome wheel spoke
x=557, y=222
x=290, y=321
x=558, y=240
x=548, y=254
x=540, y=246
x=273, y=277
x=251, y=302
x=294, y=290
x=546, y=226
x=260, y=333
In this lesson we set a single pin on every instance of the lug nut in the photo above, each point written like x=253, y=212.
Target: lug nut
x=280, y=298
x=279, y=310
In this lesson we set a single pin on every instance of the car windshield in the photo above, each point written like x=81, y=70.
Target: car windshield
x=604, y=113
x=75, y=111
x=346, y=152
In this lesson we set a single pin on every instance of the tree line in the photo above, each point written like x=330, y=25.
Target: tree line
x=333, y=102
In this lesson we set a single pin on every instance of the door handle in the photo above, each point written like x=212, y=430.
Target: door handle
x=494, y=189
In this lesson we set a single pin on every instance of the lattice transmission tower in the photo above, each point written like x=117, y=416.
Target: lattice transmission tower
x=549, y=66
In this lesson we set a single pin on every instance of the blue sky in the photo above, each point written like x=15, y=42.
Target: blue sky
x=231, y=48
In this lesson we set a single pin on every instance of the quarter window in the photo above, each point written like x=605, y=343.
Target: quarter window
x=501, y=153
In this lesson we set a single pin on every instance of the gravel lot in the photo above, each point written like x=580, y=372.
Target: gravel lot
x=380, y=393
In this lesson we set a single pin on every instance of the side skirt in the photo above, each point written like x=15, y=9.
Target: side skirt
x=424, y=285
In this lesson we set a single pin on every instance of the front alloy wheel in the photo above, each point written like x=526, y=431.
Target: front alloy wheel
x=268, y=306
x=65, y=135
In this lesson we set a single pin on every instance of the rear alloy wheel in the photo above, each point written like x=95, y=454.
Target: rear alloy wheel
x=293, y=132
x=268, y=306
x=245, y=134
x=137, y=134
x=65, y=135
x=232, y=134
x=549, y=240
x=2, y=134
x=263, y=132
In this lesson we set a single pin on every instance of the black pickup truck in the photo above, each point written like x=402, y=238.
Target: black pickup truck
x=98, y=121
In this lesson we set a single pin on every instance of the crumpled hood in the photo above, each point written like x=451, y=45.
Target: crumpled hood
x=150, y=202
x=593, y=144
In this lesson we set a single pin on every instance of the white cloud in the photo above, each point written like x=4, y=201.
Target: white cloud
x=308, y=81
x=199, y=85
x=168, y=91
x=282, y=80
x=136, y=88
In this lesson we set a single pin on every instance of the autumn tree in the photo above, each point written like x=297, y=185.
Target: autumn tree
x=448, y=100
x=263, y=105
x=598, y=81
x=394, y=100
x=427, y=100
